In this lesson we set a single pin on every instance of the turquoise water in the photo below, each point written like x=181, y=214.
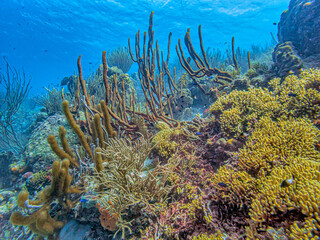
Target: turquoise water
x=46, y=37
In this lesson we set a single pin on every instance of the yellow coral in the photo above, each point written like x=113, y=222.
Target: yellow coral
x=239, y=110
x=276, y=143
x=273, y=201
x=164, y=140
x=232, y=186
x=217, y=236
x=299, y=96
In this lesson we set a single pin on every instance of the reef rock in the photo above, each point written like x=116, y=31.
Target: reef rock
x=300, y=24
x=38, y=151
x=286, y=60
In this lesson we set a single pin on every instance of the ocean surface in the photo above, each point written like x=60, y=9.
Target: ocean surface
x=46, y=37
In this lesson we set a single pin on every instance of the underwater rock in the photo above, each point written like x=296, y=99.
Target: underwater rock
x=111, y=70
x=241, y=83
x=38, y=152
x=7, y=202
x=300, y=24
x=286, y=60
x=5, y=159
x=68, y=80
x=74, y=230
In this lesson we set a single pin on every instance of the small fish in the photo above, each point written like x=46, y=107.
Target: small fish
x=291, y=94
x=209, y=142
x=195, y=98
x=206, y=110
x=198, y=115
x=90, y=62
x=274, y=23
x=84, y=200
x=244, y=135
x=198, y=133
x=286, y=183
x=45, y=50
x=225, y=42
x=221, y=184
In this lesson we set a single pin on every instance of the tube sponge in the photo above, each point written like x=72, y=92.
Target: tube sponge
x=98, y=159
x=97, y=126
x=22, y=198
x=64, y=142
x=76, y=128
x=19, y=219
x=107, y=120
x=58, y=151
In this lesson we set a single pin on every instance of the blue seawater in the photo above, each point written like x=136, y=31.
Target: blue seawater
x=46, y=37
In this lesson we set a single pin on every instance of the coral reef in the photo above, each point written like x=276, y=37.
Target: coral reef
x=124, y=183
x=274, y=144
x=300, y=25
x=247, y=168
x=285, y=60
x=120, y=57
x=300, y=96
x=240, y=110
x=40, y=221
x=38, y=151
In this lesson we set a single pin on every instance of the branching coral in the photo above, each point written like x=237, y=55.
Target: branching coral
x=164, y=140
x=275, y=144
x=299, y=95
x=276, y=176
x=232, y=187
x=296, y=96
x=238, y=111
x=297, y=204
x=123, y=182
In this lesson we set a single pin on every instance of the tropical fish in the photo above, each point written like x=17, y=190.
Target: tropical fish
x=291, y=94
x=221, y=184
x=286, y=182
x=206, y=110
